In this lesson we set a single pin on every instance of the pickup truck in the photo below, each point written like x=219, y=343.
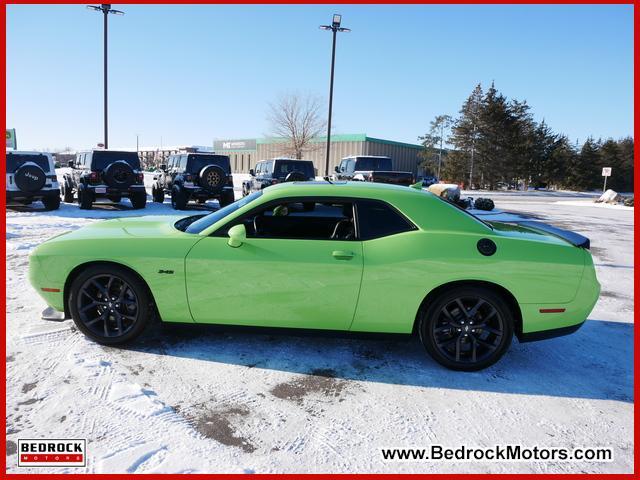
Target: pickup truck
x=369, y=168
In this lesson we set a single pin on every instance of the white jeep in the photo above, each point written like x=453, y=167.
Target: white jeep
x=32, y=176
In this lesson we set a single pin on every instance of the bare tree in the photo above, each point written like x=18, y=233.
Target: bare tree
x=297, y=120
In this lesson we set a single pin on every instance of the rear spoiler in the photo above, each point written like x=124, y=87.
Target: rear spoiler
x=571, y=237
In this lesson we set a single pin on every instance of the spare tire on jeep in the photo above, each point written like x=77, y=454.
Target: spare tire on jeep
x=30, y=177
x=212, y=177
x=119, y=174
x=295, y=176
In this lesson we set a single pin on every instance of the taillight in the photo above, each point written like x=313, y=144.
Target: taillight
x=188, y=178
x=141, y=177
x=230, y=180
x=93, y=177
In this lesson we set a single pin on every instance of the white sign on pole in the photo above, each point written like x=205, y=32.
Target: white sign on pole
x=606, y=171
x=11, y=138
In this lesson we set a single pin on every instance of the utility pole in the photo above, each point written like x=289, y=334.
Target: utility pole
x=106, y=9
x=335, y=28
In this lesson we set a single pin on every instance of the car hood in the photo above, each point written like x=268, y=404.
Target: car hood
x=147, y=226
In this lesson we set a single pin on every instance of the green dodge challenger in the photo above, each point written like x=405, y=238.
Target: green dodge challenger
x=359, y=257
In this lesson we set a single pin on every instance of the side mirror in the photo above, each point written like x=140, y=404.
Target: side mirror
x=237, y=235
x=336, y=169
x=163, y=166
x=70, y=163
x=252, y=172
x=56, y=165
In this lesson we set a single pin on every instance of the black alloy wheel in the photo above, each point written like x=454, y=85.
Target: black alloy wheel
x=467, y=329
x=109, y=304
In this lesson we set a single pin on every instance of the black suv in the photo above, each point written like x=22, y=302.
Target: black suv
x=194, y=176
x=278, y=170
x=107, y=174
x=32, y=176
x=371, y=168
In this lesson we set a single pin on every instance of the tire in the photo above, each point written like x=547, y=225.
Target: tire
x=51, y=203
x=119, y=174
x=226, y=198
x=67, y=193
x=85, y=199
x=114, y=198
x=133, y=308
x=179, y=198
x=212, y=177
x=138, y=200
x=484, y=204
x=157, y=193
x=29, y=177
x=450, y=340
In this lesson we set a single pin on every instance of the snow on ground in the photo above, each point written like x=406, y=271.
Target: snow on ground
x=187, y=399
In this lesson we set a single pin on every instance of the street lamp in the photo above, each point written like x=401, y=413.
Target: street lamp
x=335, y=28
x=106, y=9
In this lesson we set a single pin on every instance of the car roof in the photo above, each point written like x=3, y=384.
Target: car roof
x=25, y=152
x=342, y=189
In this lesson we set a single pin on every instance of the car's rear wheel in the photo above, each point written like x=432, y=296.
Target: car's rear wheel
x=226, y=198
x=157, y=193
x=179, y=198
x=138, y=200
x=67, y=193
x=467, y=328
x=51, y=203
x=109, y=304
x=85, y=198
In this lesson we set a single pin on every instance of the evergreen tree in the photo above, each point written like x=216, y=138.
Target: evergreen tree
x=463, y=138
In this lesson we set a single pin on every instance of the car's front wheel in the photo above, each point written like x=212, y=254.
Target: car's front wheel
x=467, y=328
x=51, y=203
x=157, y=193
x=138, y=200
x=109, y=304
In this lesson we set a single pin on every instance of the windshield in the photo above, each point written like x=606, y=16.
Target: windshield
x=205, y=222
x=16, y=160
x=285, y=167
x=369, y=163
x=195, y=163
x=101, y=159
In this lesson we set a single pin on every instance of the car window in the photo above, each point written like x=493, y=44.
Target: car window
x=351, y=165
x=103, y=158
x=16, y=160
x=259, y=168
x=207, y=221
x=378, y=219
x=299, y=219
x=374, y=163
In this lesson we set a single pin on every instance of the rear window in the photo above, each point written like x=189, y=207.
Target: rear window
x=285, y=167
x=196, y=162
x=364, y=163
x=102, y=159
x=16, y=160
x=378, y=219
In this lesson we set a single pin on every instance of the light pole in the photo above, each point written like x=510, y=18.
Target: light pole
x=106, y=9
x=335, y=28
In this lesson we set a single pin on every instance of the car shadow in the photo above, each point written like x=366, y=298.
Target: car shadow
x=596, y=362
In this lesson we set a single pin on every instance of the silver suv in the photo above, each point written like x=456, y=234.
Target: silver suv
x=32, y=176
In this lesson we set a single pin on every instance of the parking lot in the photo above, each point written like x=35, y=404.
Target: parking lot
x=188, y=399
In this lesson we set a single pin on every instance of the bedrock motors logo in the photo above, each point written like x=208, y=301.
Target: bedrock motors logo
x=52, y=453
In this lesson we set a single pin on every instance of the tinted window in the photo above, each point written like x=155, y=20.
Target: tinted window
x=197, y=162
x=299, y=219
x=205, y=222
x=101, y=159
x=378, y=219
x=16, y=160
x=369, y=163
x=285, y=167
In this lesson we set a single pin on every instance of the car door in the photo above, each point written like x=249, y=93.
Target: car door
x=272, y=280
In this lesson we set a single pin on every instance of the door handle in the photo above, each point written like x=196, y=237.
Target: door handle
x=342, y=255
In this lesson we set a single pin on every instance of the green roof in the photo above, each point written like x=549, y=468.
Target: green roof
x=354, y=137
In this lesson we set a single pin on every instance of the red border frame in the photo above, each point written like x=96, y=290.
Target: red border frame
x=636, y=357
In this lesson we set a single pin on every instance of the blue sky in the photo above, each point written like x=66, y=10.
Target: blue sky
x=190, y=74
